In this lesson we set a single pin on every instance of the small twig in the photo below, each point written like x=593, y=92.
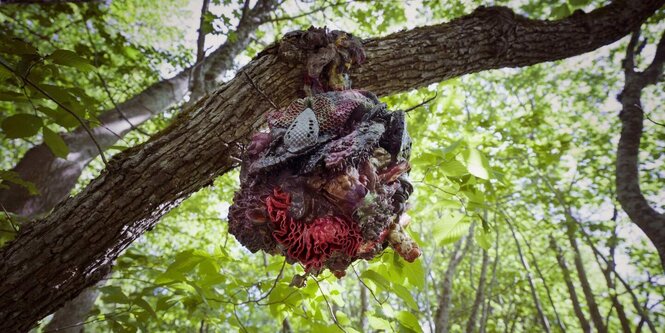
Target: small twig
x=80, y=120
x=235, y=313
x=319, y=9
x=325, y=298
x=259, y=90
x=646, y=115
x=436, y=93
x=105, y=318
x=366, y=286
x=108, y=91
x=11, y=221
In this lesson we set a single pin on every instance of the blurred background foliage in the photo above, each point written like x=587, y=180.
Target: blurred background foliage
x=505, y=161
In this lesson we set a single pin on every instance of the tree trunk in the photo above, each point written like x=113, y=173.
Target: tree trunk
x=480, y=295
x=609, y=265
x=70, y=318
x=487, y=306
x=54, y=259
x=584, y=323
x=57, y=186
x=55, y=177
x=559, y=322
x=627, y=180
x=441, y=322
x=534, y=295
x=584, y=281
x=364, y=304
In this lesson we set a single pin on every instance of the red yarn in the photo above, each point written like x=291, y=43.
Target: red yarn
x=315, y=242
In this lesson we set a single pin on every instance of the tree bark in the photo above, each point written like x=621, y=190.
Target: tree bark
x=487, y=306
x=532, y=287
x=56, y=177
x=594, y=312
x=441, y=322
x=480, y=294
x=76, y=310
x=609, y=265
x=627, y=180
x=54, y=259
x=584, y=323
x=559, y=322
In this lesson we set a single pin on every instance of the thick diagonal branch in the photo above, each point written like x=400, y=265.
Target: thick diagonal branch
x=53, y=259
x=55, y=177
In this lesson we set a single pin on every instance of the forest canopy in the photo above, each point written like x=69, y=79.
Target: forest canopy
x=537, y=164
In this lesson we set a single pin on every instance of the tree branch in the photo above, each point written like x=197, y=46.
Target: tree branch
x=627, y=181
x=55, y=177
x=52, y=260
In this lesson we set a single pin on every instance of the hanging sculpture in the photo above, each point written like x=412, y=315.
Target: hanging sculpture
x=327, y=184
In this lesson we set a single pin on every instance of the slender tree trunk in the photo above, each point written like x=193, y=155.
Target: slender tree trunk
x=53, y=260
x=487, y=306
x=607, y=270
x=443, y=310
x=559, y=322
x=534, y=295
x=584, y=323
x=584, y=281
x=364, y=303
x=571, y=227
x=644, y=314
x=480, y=295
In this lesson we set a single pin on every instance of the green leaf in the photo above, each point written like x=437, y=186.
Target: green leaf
x=453, y=168
x=71, y=59
x=55, y=143
x=415, y=273
x=405, y=295
x=5, y=73
x=13, y=177
x=146, y=306
x=16, y=46
x=114, y=294
x=11, y=96
x=59, y=116
x=561, y=11
x=477, y=164
x=377, y=278
x=484, y=239
x=579, y=3
x=379, y=323
x=409, y=320
x=21, y=125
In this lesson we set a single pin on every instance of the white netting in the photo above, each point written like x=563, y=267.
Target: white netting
x=303, y=132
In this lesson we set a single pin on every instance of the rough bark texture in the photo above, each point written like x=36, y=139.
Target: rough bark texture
x=55, y=177
x=54, y=259
x=629, y=194
x=442, y=319
x=584, y=323
x=58, y=185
